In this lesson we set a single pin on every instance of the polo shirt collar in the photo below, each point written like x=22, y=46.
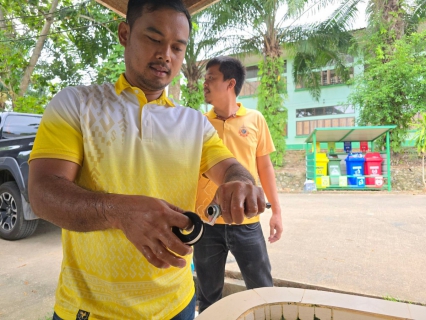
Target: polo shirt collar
x=122, y=84
x=241, y=111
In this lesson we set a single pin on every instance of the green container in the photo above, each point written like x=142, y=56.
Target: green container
x=334, y=169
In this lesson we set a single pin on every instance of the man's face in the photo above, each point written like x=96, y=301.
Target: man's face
x=214, y=86
x=154, y=48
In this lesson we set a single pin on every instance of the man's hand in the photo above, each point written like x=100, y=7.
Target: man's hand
x=239, y=200
x=148, y=226
x=145, y=221
x=237, y=195
x=275, y=227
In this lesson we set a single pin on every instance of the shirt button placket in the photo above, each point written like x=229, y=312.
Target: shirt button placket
x=146, y=124
x=225, y=130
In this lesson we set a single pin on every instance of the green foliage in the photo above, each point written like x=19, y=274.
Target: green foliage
x=81, y=37
x=11, y=56
x=390, y=298
x=176, y=80
x=265, y=28
x=318, y=47
x=193, y=96
x=31, y=104
x=47, y=316
x=392, y=89
x=113, y=66
x=201, y=47
x=420, y=141
x=420, y=134
x=270, y=103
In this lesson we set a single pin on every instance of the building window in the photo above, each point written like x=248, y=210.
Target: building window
x=327, y=77
x=324, y=111
x=249, y=88
x=306, y=127
x=349, y=58
x=252, y=71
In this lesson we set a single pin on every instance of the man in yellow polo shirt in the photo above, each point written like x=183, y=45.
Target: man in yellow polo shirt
x=247, y=136
x=115, y=166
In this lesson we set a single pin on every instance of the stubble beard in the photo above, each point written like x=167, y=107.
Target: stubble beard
x=148, y=84
x=151, y=85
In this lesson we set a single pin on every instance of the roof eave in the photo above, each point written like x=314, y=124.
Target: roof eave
x=120, y=6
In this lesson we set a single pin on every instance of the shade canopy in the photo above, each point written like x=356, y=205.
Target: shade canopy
x=120, y=6
x=341, y=134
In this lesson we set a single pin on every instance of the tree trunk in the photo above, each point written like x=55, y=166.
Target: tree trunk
x=393, y=15
x=423, y=170
x=174, y=91
x=2, y=22
x=3, y=96
x=3, y=99
x=37, y=50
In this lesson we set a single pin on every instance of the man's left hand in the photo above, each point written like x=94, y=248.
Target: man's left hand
x=239, y=200
x=276, y=228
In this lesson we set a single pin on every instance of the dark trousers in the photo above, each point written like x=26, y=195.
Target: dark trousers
x=246, y=243
x=186, y=314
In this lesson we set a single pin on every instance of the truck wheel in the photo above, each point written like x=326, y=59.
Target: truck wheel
x=13, y=226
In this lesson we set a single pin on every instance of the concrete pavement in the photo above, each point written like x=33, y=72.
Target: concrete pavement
x=29, y=271
x=366, y=243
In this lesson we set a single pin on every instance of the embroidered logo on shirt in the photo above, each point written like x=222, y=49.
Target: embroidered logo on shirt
x=82, y=315
x=243, y=131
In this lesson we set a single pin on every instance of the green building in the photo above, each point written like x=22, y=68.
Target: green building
x=304, y=112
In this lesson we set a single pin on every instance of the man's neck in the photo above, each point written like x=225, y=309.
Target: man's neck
x=227, y=111
x=151, y=96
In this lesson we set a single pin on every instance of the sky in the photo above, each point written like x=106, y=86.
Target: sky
x=310, y=16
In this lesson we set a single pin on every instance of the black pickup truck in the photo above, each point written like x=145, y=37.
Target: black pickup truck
x=17, y=133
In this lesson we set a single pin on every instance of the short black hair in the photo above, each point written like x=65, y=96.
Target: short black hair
x=231, y=68
x=136, y=7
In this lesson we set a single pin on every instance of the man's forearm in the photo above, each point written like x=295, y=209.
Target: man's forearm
x=71, y=207
x=269, y=186
x=266, y=173
x=236, y=172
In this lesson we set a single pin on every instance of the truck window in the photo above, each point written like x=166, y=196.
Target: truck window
x=20, y=125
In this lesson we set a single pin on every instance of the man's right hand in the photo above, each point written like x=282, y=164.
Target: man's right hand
x=148, y=226
x=145, y=221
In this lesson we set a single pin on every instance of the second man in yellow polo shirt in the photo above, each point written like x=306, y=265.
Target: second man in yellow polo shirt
x=247, y=136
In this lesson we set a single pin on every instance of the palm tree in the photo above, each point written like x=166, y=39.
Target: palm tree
x=392, y=18
x=392, y=25
x=200, y=42
x=256, y=27
x=203, y=44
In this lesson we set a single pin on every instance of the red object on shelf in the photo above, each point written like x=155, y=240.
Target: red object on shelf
x=363, y=145
x=373, y=168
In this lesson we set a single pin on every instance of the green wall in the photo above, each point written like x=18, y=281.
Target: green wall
x=331, y=95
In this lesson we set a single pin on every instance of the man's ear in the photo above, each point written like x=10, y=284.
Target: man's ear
x=232, y=84
x=123, y=33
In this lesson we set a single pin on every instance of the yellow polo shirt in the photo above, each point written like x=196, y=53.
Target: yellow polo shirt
x=125, y=145
x=247, y=137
